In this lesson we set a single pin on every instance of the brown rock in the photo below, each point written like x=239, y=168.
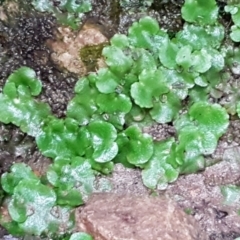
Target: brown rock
x=66, y=49
x=117, y=217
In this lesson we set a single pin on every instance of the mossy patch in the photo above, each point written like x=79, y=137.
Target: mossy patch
x=90, y=55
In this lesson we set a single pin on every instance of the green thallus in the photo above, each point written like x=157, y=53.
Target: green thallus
x=147, y=78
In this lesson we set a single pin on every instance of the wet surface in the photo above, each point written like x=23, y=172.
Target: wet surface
x=27, y=39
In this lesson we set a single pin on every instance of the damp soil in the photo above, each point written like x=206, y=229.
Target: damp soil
x=29, y=38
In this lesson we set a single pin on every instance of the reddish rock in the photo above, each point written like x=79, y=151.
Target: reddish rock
x=116, y=217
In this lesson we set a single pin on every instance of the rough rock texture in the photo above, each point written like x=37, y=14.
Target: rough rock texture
x=127, y=181
x=226, y=171
x=205, y=203
x=128, y=217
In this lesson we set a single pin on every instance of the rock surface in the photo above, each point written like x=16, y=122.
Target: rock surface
x=124, y=217
x=66, y=49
